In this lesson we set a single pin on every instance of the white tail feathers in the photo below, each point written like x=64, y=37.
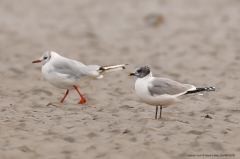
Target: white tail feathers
x=109, y=69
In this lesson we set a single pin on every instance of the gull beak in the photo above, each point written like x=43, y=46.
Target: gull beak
x=131, y=74
x=37, y=61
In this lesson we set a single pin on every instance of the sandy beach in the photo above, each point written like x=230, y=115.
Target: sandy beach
x=190, y=41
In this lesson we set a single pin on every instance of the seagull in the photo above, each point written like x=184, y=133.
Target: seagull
x=69, y=74
x=161, y=91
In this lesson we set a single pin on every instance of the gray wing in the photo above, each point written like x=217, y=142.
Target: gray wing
x=160, y=86
x=74, y=69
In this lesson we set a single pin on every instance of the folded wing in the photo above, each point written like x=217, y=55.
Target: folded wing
x=75, y=69
x=161, y=86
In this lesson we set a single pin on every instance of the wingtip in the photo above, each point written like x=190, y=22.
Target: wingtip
x=214, y=88
x=124, y=66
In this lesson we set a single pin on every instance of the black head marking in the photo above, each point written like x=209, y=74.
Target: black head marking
x=142, y=71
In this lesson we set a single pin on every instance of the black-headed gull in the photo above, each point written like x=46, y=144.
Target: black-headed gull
x=161, y=91
x=70, y=74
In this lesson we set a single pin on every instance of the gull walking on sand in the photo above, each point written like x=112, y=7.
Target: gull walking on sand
x=161, y=91
x=70, y=74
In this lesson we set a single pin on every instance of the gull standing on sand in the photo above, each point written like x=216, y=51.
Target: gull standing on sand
x=161, y=91
x=70, y=74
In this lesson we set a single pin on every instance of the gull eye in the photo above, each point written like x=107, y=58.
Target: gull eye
x=45, y=58
x=139, y=71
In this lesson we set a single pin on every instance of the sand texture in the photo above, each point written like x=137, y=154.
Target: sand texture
x=190, y=41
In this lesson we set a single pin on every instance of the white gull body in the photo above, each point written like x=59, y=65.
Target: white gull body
x=69, y=74
x=161, y=92
x=143, y=87
x=53, y=71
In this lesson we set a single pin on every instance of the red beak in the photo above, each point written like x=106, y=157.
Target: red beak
x=37, y=61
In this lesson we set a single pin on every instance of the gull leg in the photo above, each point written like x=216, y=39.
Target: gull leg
x=156, y=112
x=65, y=96
x=83, y=100
x=160, y=112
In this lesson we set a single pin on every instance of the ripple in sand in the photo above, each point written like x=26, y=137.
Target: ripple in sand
x=69, y=139
x=195, y=132
x=91, y=135
x=216, y=146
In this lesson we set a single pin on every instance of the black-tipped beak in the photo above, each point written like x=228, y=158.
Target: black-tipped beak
x=131, y=74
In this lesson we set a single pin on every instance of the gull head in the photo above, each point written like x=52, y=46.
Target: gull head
x=141, y=72
x=44, y=59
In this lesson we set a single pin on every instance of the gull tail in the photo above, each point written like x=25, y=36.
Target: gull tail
x=201, y=90
x=109, y=69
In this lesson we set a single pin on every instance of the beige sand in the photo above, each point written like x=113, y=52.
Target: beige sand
x=189, y=41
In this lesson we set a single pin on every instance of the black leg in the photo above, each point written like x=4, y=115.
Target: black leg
x=156, y=112
x=160, y=112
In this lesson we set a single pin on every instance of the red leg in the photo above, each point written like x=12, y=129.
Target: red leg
x=65, y=96
x=83, y=100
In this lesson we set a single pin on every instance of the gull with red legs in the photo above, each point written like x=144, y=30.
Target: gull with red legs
x=69, y=74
